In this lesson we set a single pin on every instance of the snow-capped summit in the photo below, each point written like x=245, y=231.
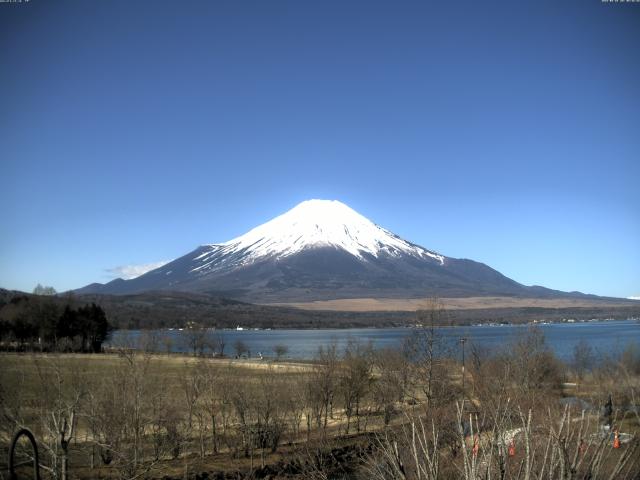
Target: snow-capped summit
x=313, y=224
x=319, y=250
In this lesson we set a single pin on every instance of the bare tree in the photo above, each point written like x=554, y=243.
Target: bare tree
x=61, y=392
x=218, y=343
x=211, y=402
x=583, y=358
x=167, y=342
x=270, y=411
x=558, y=448
x=323, y=384
x=240, y=347
x=391, y=382
x=426, y=351
x=280, y=350
x=354, y=379
x=194, y=386
x=124, y=407
x=196, y=338
x=532, y=367
x=41, y=290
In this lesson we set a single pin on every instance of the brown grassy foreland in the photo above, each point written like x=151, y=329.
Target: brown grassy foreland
x=469, y=303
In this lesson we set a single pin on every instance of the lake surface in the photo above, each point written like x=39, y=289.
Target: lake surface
x=605, y=337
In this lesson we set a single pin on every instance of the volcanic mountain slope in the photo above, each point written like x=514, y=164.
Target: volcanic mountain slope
x=322, y=250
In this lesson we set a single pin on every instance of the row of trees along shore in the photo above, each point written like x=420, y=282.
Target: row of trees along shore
x=516, y=412
x=47, y=323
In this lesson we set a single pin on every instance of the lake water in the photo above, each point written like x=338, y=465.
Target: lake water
x=605, y=337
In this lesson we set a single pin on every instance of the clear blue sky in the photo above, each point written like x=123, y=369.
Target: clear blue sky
x=506, y=132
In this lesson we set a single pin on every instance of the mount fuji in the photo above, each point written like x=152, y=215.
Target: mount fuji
x=322, y=250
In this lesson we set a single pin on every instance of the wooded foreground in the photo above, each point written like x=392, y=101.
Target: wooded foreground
x=516, y=413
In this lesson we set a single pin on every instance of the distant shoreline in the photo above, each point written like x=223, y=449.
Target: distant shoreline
x=416, y=326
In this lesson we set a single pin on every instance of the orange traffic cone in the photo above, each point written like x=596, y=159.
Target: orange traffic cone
x=512, y=449
x=616, y=439
x=476, y=446
x=583, y=447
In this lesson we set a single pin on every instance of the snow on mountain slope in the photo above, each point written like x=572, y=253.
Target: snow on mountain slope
x=311, y=224
x=320, y=250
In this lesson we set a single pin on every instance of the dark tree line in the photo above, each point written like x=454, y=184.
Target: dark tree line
x=47, y=324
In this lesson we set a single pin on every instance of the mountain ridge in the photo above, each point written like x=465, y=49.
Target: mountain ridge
x=322, y=250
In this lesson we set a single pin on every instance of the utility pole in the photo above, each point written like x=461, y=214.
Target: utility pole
x=463, y=340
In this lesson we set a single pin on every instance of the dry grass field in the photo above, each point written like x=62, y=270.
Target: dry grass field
x=468, y=303
x=132, y=414
x=25, y=379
